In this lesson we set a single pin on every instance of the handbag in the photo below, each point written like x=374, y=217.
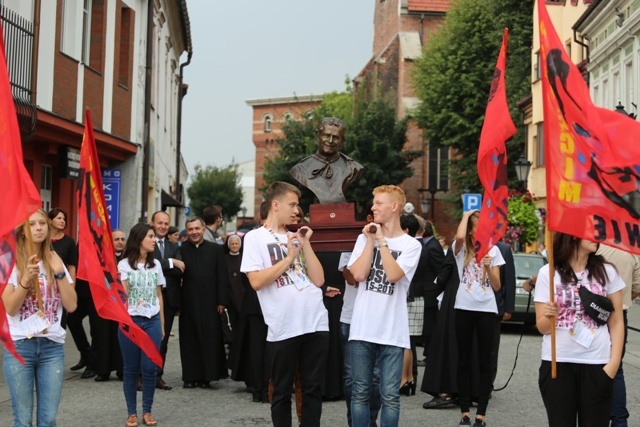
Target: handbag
x=597, y=307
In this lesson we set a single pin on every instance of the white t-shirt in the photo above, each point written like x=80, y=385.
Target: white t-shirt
x=288, y=310
x=350, y=292
x=570, y=312
x=380, y=311
x=142, y=287
x=473, y=295
x=51, y=303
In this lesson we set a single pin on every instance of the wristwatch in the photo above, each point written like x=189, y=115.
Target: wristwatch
x=59, y=275
x=385, y=244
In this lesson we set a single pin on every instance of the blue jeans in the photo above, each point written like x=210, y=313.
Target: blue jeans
x=374, y=398
x=44, y=365
x=134, y=360
x=364, y=356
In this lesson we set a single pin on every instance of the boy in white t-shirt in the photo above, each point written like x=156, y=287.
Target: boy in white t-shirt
x=383, y=262
x=285, y=272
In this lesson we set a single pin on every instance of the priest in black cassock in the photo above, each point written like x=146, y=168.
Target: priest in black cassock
x=205, y=290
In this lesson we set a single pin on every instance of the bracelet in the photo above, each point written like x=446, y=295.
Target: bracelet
x=383, y=245
x=23, y=286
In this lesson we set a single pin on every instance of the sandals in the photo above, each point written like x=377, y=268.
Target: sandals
x=132, y=421
x=149, y=420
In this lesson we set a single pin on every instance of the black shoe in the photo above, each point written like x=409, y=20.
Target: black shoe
x=256, y=396
x=204, y=384
x=119, y=375
x=162, y=385
x=408, y=388
x=479, y=423
x=88, y=373
x=100, y=378
x=465, y=421
x=189, y=384
x=81, y=364
x=440, y=402
x=422, y=362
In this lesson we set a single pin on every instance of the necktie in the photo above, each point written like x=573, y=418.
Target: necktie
x=161, y=246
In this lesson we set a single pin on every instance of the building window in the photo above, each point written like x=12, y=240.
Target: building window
x=69, y=40
x=46, y=179
x=86, y=32
x=539, y=142
x=125, y=46
x=287, y=117
x=439, y=168
x=538, y=69
x=267, y=123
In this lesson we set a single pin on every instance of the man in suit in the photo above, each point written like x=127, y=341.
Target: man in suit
x=172, y=267
x=429, y=266
x=505, y=299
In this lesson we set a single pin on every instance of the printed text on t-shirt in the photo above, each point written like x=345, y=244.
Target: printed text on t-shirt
x=276, y=255
x=377, y=280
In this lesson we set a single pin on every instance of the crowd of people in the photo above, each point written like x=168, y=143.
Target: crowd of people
x=267, y=310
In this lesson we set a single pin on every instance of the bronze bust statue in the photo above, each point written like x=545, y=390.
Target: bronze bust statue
x=328, y=173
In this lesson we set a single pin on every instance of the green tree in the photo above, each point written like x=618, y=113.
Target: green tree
x=212, y=185
x=524, y=225
x=453, y=77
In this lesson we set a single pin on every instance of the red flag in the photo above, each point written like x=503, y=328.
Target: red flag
x=20, y=198
x=97, y=257
x=492, y=160
x=592, y=155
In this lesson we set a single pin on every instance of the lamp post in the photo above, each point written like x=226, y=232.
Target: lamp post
x=424, y=205
x=244, y=212
x=522, y=171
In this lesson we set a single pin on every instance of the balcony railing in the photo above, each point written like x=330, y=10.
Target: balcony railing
x=18, y=35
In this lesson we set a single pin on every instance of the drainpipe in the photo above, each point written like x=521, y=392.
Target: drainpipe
x=181, y=93
x=585, y=46
x=147, y=115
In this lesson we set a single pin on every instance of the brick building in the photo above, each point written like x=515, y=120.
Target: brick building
x=401, y=28
x=70, y=55
x=268, y=116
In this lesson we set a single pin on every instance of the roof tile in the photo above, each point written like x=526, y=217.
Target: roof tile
x=429, y=5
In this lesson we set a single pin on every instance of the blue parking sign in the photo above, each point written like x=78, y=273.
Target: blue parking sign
x=471, y=201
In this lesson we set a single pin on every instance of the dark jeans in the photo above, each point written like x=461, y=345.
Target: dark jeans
x=619, y=412
x=578, y=390
x=374, y=397
x=135, y=361
x=482, y=325
x=309, y=352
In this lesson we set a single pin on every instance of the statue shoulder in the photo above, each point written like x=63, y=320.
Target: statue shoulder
x=298, y=170
x=351, y=163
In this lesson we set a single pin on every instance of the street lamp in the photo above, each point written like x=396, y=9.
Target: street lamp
x=424, y=205
x=244, y=212
x=620, y=109
x=522, y=171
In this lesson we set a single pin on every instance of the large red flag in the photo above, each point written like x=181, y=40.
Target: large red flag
x=592, y=154
x=96, y=254
x=20, y=198
x=492, y=160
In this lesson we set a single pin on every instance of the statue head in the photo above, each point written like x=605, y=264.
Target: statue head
x=330, y=136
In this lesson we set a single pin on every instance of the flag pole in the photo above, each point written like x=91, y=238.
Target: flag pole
x=552, y=297
x=35, y=283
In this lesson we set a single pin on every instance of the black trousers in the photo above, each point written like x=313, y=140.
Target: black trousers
x=482, y=325
x=74, y=323
x=309, y=352
x=579, y=391
x=495, y=349
x=169, y=316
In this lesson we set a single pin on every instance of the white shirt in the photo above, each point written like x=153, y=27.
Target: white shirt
x=380, y=311
x=350, y=292
x=142, y=287
x=288, y=311
x=570, y=312
x=473, y=295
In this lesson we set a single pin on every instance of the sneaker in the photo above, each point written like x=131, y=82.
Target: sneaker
x=465, y=421
x=479, y=423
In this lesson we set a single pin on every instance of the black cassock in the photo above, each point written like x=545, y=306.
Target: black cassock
x=205, y=285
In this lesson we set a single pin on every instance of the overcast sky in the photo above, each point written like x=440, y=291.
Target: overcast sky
x=247, y=49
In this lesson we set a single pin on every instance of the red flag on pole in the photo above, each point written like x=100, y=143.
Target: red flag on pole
x=20, y=198
x=492, y=160
x=592, y=154
x=97, y=263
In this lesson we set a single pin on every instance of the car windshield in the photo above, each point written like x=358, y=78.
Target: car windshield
x=527, y=265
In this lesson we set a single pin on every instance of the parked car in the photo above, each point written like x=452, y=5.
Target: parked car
x=526, y=265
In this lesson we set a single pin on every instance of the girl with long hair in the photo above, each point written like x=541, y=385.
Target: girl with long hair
x=142, y=279
x=38, y=287
x=588, y=350
x=476, y=311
